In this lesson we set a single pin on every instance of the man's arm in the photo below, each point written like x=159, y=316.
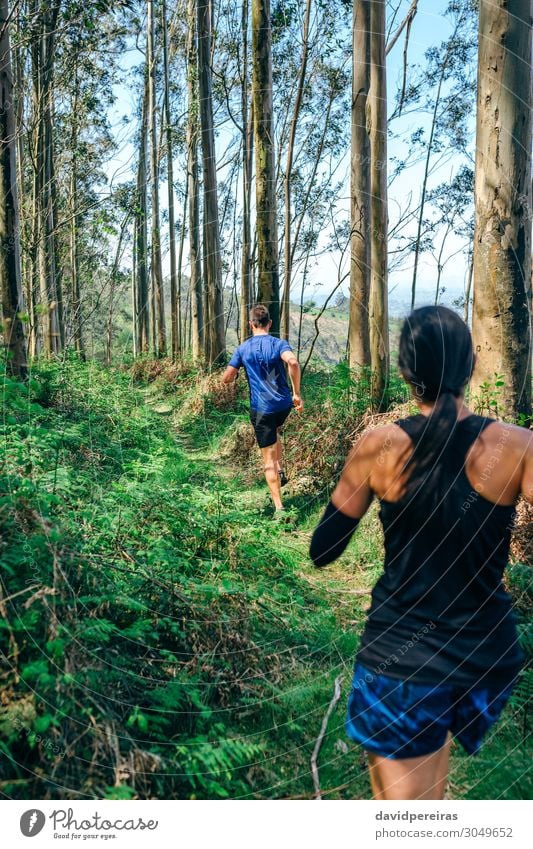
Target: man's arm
x=233, y=367
x=230, y=374
x=294, y=375
x=350, y=501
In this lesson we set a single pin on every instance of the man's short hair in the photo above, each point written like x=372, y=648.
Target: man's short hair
x=259, y=315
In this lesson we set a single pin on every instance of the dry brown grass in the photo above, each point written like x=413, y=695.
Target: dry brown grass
x=522, y=539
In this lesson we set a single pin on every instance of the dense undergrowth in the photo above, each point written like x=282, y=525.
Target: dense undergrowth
x=160, y=636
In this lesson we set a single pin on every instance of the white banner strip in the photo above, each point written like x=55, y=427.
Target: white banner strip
x=267, y=825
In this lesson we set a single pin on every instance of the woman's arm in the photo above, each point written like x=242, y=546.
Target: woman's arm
x=350, y=501
x=526, y=487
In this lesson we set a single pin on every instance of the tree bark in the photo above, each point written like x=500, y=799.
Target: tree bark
x=142, y=304
x=195, y=283
x=13, y=335
x=265, y=171
x=215, y=341
x=501, y=319
x=286, y=300
x=156, y=264
x=175, y=288
x=247, y=161
x=43, y=57
x=20, y=82
x=74, y=229
x=358, y=332
x=377, y=127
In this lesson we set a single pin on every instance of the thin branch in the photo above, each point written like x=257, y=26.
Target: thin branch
x=406, y=21
x=320, y=738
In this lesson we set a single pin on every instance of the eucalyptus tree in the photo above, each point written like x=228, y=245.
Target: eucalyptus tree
x=64, y=80
x=141, y=298
x=175, y=281
x=377, y=131
x=501, y=321
x=158, y=297
x=247, y=132
x=46, y=288
x=12, y=329
x=83, y=96
x=214, y=320
x=358, y=330
x=286, y=300
x=265, y=169
x=195, y=261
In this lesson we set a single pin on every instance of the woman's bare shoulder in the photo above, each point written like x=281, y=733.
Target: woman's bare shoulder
x=514, y=437
x=374, y=440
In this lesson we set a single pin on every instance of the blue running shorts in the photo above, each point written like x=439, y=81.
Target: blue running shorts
x=404, y=719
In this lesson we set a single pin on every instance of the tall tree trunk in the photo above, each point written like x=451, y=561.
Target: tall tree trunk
x=501, y=321
x=54, y=224
x=27, y=254
x=215, y=341
x=247, y=162
x=286, y=300
x=377, y=127
x=175, y=289
x=468, y=292
x=74, y=230
x=358, y=332
x=134, y=305
x=142, y=304
x=48, y=242
x=195, y=283
x=265, y=171
x=13, y=337
x=43, y=57
x=33, y=283
x=156, y=264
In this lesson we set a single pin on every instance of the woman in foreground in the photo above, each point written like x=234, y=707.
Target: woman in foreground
x=439, y=655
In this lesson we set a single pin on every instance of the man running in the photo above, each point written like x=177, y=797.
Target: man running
x=270, y=399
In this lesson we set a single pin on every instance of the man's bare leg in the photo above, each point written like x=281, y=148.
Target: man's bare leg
x=270, y=454
x=279, y=454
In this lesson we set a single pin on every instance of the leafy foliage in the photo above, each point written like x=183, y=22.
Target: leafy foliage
x=160, y=637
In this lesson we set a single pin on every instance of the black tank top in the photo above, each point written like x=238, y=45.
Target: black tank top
x=439, y=612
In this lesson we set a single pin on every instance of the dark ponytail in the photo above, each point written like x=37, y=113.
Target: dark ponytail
x=436, y=358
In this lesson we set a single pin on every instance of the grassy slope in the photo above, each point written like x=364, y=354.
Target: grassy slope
x=189, y=648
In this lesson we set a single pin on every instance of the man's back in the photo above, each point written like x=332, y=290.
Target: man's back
x=260, y=355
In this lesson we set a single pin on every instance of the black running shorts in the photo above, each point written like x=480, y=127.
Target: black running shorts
x=266, y=425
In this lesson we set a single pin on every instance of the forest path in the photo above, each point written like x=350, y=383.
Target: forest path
x=345, y=585
x=339, y=581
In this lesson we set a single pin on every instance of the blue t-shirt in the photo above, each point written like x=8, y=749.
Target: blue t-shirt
x=261, y=357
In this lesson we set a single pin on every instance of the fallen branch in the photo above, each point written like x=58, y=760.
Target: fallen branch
x=4, y=599
x=320, y=738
